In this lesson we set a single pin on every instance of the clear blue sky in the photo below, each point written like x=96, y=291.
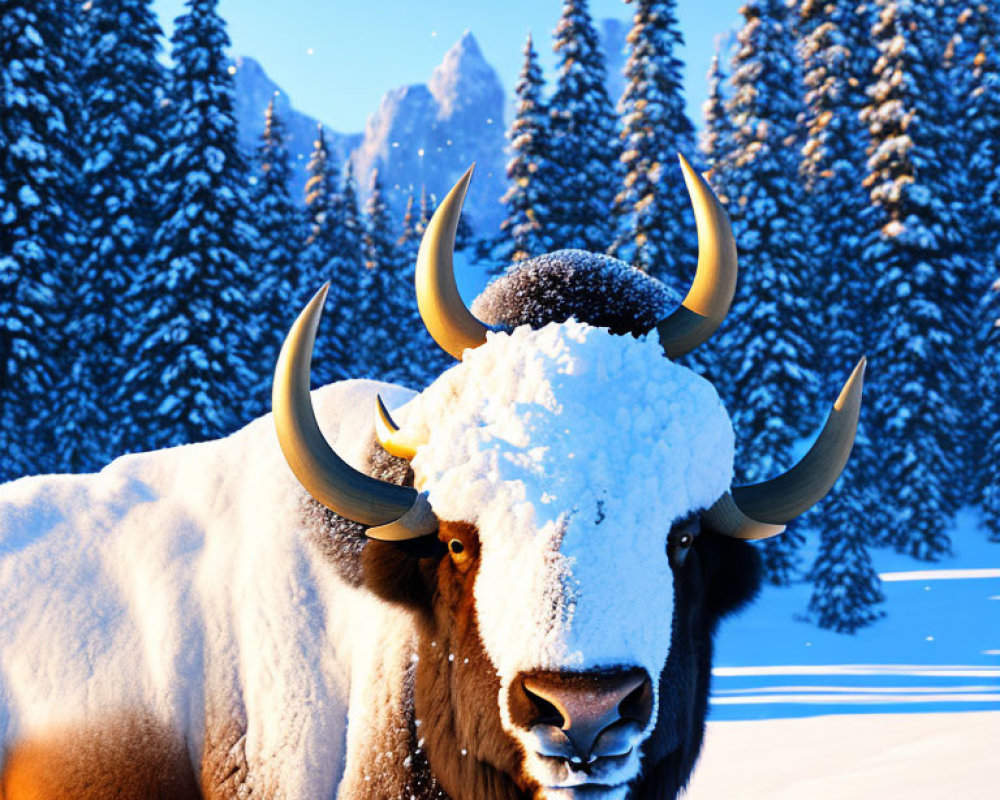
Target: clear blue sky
x=336, y=58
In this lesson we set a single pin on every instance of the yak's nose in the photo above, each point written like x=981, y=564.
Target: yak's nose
x=583, y=716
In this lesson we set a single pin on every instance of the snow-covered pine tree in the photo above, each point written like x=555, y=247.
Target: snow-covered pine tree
x=958, y=28
x=379, y=242
x=582, y=175
x=427, y=205
x=193, y=343
x=715, y=142
x=409, y=239
x=124, y=88
x=380, y=293
x=320, y=195
x=528, y=136
x=766, y=348
x=656, y=225
x=37, y=174
x=846, y=586
x=353, y=243
x=837, y=56
x=977, y=81
x=915, y=380
x=982, y=34
x=277, y=274
x=990, y=418
x=353, y=225
x=328, y=255
x=321, y=220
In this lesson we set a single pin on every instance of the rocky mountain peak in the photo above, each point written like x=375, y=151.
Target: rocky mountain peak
x=421, y=135
x=465, y=82
x=428, y=134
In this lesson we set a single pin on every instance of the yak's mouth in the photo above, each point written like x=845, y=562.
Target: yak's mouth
x=601, y=778
x=586, y=791
x=579, y=772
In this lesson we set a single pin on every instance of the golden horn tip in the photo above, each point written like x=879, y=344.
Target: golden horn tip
x=447, y=319
x=466, y=179
x=854, y=383
x=385, y=416
x=388, y=434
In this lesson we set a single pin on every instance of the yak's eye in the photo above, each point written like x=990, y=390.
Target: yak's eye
x=681, y=538
x=462, y=542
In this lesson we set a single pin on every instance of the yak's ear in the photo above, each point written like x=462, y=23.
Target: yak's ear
x=402, y=572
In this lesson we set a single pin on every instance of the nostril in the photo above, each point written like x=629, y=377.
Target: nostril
x=569, y=711
x=638, y=704
x=544, y=712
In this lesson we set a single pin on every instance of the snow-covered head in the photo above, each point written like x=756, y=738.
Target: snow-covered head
x=567, y=534
x=571, y=453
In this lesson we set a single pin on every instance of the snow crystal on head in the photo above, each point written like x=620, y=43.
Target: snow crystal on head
x=572, y=450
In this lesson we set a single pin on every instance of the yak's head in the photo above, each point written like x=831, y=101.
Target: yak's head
x=570, y=538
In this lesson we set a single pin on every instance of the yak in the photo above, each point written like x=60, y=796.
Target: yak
x=505, y=586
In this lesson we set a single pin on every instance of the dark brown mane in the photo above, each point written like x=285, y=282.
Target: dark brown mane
x=589, y=287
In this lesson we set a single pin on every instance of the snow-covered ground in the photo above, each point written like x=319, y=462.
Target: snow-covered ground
x=937, y=649
x=909, y=708
x=854, y=757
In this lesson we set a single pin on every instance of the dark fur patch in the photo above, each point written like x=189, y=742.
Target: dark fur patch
x=340, y=540
x=589, y=287
x=129, y=756
x=719, y=576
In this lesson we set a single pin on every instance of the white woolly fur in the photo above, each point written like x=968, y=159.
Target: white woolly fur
x=182, y=583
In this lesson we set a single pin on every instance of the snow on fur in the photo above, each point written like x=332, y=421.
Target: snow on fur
x=573, y=451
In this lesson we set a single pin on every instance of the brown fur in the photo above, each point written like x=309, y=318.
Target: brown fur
x=224, y=769
x=131, y=756
x=456, y=699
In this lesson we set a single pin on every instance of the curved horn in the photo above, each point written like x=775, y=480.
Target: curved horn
x=388, y=434
x=398, y=512
x=760, y=510
x=708, y=300
x=447, y=319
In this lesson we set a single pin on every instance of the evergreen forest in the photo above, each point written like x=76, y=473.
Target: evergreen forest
x=148, y=264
